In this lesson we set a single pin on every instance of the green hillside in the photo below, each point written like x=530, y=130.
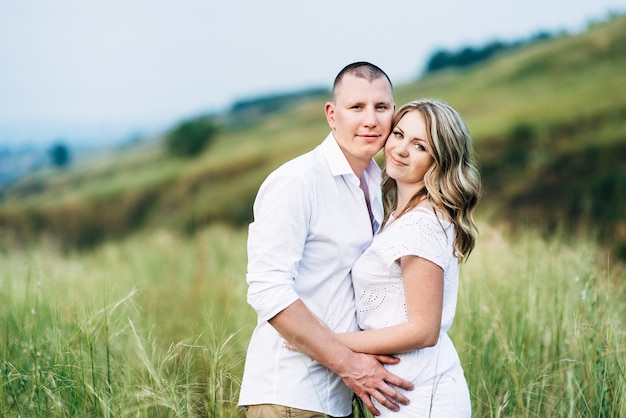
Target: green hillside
x=547, y=119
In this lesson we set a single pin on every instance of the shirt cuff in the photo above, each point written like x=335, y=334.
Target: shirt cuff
x=269, y=299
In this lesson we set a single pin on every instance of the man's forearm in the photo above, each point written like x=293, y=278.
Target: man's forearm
x=362, y=374
x=311, y=336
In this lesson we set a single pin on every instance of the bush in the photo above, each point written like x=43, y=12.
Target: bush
x=521, y=141
x=190, y=137
x=60, y=155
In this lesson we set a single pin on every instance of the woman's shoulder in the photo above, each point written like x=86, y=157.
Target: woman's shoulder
x=419, y=231
x=427, y=210
x=423, y=218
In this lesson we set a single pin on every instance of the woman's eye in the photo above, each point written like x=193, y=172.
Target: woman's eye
x=419, y=147
x=397, y=134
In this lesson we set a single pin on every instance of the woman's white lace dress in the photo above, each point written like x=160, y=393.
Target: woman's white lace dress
x=440, y=386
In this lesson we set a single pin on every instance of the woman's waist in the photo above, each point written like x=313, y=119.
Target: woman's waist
x=427, y=363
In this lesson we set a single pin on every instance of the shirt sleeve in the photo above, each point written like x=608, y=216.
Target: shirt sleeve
x=418, y=233
x=276, y=241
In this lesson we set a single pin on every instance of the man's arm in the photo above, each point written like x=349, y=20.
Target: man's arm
x=363, y=374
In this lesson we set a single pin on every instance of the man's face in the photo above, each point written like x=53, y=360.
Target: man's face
x=360, y=117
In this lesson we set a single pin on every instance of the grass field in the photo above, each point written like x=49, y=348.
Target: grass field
x=157, y=326
x=122, y=289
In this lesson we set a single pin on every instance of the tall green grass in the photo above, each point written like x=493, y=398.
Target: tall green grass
x=540, y=328
x=157, y=326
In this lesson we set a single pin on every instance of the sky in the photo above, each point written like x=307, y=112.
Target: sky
x=106, y=71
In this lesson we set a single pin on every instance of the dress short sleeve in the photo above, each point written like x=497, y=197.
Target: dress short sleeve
x=418, y=232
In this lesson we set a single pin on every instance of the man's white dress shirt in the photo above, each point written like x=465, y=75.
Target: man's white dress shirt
x=310, y=225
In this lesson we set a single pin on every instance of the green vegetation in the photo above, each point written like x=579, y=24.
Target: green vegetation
x=468, y=55
x=547, y=119
x=157, y=325
x=60, y=155
x=539, y=115
x=549, y=127
x=190, y=137
x=540, y=328
x=260, y=107
x=122, y=278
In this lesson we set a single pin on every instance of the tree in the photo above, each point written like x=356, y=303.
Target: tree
x=190, y=137
x=60, y=155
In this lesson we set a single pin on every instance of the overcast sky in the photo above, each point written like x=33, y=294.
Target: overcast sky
x=89, y=69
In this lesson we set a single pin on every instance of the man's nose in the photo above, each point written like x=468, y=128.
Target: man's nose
x=371, y=117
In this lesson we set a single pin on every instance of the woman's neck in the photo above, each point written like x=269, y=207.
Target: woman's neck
x=406, y=193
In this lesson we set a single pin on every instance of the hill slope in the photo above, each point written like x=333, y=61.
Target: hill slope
x=548, y=123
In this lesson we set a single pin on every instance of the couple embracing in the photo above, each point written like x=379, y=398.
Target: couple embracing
x=354, y=273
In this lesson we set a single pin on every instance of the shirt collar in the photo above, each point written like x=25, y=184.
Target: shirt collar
x=335, y=157
x=339, y=164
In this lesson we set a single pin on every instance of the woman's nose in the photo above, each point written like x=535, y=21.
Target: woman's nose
x=401, y=148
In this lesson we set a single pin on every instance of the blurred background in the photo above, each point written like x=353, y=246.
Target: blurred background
x=120, y=116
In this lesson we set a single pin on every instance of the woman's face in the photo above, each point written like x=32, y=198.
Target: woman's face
x=407, y=153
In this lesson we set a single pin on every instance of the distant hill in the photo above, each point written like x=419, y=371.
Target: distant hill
x=549, y=125
x=14, y=163
x=468, y=55
x=548, y=120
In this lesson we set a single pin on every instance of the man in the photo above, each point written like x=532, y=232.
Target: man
x=313, y=217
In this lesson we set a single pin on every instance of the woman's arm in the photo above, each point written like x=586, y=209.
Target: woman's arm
x=423, y=288
x=362, y=374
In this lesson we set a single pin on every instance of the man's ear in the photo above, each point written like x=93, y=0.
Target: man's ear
x=329, y=110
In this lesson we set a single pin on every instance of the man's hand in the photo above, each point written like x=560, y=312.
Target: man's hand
x=385, y=359
x=368, y=378
x=362, y=373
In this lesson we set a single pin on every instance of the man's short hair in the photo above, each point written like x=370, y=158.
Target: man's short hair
x=360, y=69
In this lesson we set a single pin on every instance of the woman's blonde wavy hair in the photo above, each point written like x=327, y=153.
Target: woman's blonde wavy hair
x=452, y=183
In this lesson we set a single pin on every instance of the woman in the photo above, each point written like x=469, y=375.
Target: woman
x=406, y=282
